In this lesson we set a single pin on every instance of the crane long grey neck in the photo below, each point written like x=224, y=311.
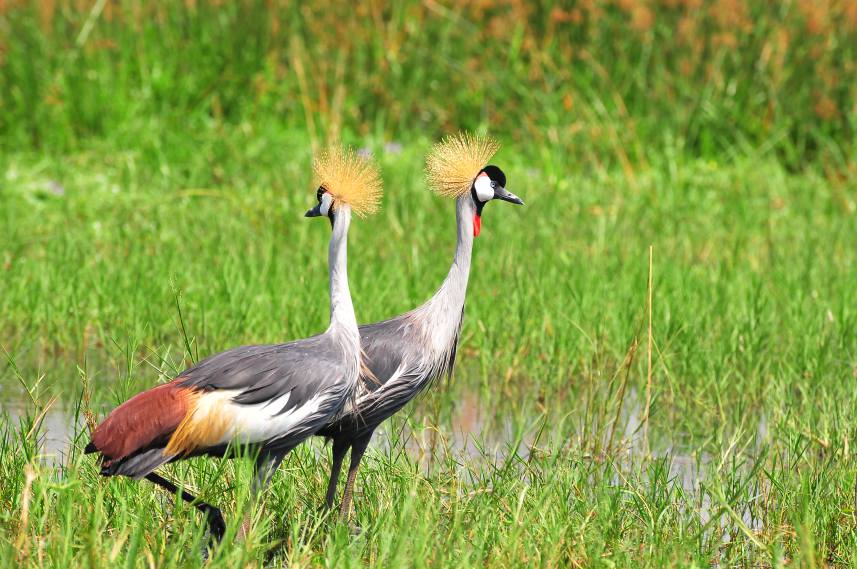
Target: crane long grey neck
x=440, y=317
x=454, y=287
x=341, y=307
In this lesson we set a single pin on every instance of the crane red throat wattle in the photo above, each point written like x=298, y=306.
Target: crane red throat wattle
x=477, y=225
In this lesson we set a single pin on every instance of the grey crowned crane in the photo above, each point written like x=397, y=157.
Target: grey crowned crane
x=405, y=354
x=268, y=398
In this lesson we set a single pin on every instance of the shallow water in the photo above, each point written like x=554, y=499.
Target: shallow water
x=469, y=434
x=55, y=433
x=470, y=437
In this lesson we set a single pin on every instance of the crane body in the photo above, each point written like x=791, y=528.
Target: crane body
x=403, y=355
x=265, y=398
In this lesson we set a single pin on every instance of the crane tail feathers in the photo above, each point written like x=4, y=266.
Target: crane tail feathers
x=138, y=465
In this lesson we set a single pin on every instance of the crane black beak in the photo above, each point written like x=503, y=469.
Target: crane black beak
x=314, y=212
x=500, y=193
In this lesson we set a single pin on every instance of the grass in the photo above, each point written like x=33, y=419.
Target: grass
x=753, y=370
x=151, y=215
x=610, y=82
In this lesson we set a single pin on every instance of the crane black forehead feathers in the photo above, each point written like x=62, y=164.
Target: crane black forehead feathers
x=496, y=174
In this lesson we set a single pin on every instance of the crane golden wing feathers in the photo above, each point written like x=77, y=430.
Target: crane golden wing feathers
x=351, y=179
x=456, y=160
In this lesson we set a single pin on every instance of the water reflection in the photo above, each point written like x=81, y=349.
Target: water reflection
x=55, y=430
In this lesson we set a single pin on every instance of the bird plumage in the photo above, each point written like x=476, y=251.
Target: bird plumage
x=455, y=161
x=267, y=397
x=255, y=395
x=405, y=354
x=133, y=427
x=349, y=178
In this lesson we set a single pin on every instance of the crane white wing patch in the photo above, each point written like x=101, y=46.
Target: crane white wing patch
x=390, y=382
x=255, y=423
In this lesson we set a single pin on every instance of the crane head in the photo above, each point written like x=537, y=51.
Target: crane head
x=489, y=185
x=324, y=208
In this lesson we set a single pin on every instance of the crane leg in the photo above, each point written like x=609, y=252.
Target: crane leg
x=340, y=448
x=357, y=450
x=266, y=466
x=216, y=525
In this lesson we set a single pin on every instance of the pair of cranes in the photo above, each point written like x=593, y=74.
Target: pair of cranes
x=341, y=384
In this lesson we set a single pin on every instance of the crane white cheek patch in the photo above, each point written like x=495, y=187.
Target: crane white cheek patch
x=483, y=188
x=326, y=201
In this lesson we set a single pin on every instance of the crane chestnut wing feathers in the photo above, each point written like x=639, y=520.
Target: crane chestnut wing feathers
x=264, y=372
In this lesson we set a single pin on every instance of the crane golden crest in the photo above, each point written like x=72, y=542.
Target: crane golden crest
x=456, y=160
x=350, y=179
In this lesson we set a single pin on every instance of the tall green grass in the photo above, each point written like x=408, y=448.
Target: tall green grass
x=132, y=272
x=610, y=83
x=154, y=169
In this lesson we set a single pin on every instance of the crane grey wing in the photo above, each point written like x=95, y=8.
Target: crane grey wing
x=453, y=350
x=374, y=407
x=381, y=344
x=265, y=372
